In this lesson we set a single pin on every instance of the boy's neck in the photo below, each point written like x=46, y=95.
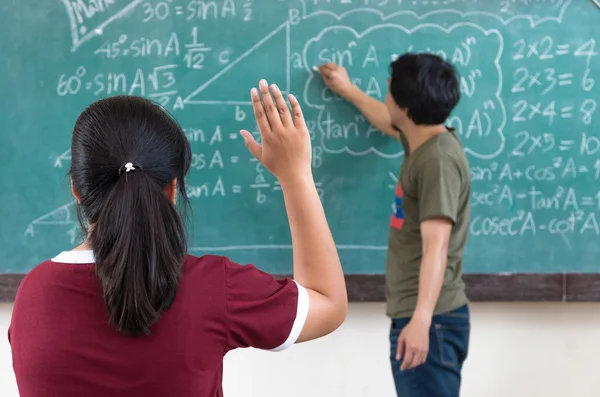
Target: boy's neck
x=417, y=135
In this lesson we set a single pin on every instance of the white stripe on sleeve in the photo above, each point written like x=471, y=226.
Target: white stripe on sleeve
x=301, y=314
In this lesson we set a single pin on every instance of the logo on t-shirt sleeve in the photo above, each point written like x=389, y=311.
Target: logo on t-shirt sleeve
x=398, y=215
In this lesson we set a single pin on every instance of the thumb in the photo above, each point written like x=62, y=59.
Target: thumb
x=401, y=347
x=254, y=147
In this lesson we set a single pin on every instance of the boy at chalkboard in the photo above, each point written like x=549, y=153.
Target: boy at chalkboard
x=426, y=298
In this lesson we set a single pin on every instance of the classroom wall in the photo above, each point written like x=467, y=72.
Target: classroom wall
x=517, y=349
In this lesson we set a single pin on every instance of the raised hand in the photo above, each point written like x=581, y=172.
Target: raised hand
x=286, y=148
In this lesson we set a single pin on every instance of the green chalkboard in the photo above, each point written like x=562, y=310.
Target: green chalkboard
x=528, y=118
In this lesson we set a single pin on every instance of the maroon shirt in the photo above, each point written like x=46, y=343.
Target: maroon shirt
x=62, y=343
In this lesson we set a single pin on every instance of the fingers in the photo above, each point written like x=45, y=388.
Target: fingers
x=330, y=66
x=408, y=360
x=269, y=106
x=413, y=358
x=326, y=70
x=272, y=114
x=282, y=107
x=254, y=147
x=259, y=113
x=297, y=112
x=411, y=355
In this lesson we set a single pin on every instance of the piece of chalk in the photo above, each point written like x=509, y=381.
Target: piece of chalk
x=316, y=69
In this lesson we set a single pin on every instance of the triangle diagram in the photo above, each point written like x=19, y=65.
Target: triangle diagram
x=88, y=19
x=60, y=216
x=63, y=215
x=266, y=59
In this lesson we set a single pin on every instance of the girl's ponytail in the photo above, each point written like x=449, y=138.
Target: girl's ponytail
x=136, y=233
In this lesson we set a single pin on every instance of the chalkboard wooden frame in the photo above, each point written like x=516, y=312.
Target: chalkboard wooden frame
x=518, y=287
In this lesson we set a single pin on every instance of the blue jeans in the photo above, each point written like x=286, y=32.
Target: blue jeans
x=440, y=375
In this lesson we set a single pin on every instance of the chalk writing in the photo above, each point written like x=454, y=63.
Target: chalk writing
x=140, y=47
x=481, y=128
x=528, y=114
x=536, y=11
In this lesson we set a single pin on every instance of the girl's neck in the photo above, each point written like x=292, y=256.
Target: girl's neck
x=85, y=246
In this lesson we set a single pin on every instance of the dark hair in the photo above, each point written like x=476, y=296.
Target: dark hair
x=137, y=235
x=426, y=86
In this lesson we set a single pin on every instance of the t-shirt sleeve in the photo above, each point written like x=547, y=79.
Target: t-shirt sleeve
x=439, y=188
x=263, y=312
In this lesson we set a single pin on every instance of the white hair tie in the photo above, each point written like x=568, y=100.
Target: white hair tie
x=129, y=167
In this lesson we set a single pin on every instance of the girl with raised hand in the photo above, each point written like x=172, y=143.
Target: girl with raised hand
x=128, y=312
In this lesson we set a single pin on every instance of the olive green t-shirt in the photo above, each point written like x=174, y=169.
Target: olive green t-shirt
x=434, y=182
